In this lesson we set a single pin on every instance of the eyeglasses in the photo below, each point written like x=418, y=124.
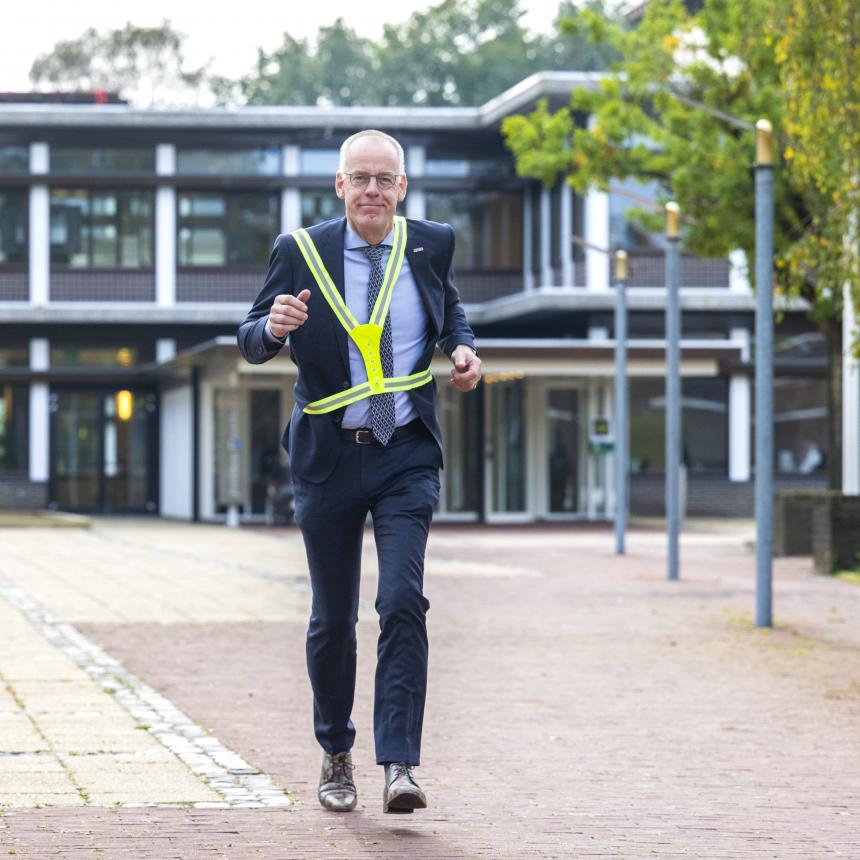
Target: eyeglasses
x=384, y=181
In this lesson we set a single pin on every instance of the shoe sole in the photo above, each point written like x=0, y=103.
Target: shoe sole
x=404, y=803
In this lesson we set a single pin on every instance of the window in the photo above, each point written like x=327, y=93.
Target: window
x=488, y=225
x=14, y=430
x=73, y=355
x=704, y=425
x=101, y=161
x=102, y=229
x=319, y=206
x=15, y=356
x=229, y=162
x=629, y=194
x=14, y=159
x=800, y=441
x=13, y=227
x=319, y=162
x=472, y=168
x=226, y=229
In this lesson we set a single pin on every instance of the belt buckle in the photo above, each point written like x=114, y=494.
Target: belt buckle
x=363, y=437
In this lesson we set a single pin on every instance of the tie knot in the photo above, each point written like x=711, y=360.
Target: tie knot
x=374, y=252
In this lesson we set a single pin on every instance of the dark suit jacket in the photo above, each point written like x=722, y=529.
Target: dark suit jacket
x=319, y=347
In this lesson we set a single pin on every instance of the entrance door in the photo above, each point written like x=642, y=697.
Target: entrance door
x=506, y=485
x=563, y=440
x=103, y=451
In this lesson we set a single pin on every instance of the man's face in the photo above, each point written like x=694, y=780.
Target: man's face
x=370, y=210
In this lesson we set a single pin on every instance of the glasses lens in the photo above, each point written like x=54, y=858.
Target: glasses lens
x=384, y=181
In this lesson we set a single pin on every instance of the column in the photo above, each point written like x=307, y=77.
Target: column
x=291, y=198
x=597, y=240
x=528, y=258
x=565, y=235
x=739, y=273
x=416, y=199
x=40, y=419
x=165, y=228
x=165, y=349
x=546, y=274
x=40, y=226
x=740, y=414
x=850, y=398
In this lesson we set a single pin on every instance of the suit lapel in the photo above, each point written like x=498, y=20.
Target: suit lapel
x=330, y=246
x=419, y=263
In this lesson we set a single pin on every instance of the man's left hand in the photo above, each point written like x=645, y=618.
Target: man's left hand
x=466, y=372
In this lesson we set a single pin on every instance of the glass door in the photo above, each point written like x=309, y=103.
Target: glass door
x=76, y=436
x=563, y=442
x=505, y=474
x=103, y=454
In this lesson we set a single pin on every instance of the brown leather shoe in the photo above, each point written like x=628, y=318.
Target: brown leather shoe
x=337, y=790
x=402, y=793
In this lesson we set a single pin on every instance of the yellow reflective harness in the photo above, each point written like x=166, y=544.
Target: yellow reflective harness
x=367, y=336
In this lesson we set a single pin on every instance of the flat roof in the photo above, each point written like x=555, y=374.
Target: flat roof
x=520, y=97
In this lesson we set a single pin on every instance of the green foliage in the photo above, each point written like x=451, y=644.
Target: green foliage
x=458, y=52
x=679, y=107
x=143, y=64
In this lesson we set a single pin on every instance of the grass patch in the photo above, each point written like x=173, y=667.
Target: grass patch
x=852, y=577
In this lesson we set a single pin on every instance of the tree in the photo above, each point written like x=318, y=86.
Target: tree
x=679, y=108
x=458, y=52
x=143, y=64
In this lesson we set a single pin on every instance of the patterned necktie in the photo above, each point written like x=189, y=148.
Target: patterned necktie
x=382, y=418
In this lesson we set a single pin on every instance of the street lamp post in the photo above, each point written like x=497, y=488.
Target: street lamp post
x=673, y=388
x=622, y=455
x=764, y=372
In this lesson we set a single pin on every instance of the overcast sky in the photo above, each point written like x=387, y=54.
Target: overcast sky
x=229, y=34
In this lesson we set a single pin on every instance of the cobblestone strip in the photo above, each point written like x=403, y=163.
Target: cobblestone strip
x=237, y=781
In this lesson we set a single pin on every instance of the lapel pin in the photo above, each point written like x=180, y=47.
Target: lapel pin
x=417, y=250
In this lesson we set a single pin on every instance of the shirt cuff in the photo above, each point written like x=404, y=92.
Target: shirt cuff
x=270, y=339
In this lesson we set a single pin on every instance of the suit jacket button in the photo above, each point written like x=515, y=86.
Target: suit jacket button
x=337, y=419
x=346, y=383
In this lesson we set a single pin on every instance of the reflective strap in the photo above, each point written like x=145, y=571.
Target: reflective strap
x=323, y=279
x=366, y=337
x=359, y=392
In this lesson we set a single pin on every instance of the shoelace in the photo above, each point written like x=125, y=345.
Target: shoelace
x=341, y=769
x=398, y=769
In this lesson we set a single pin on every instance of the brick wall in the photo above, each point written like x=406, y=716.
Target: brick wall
x=22, y=494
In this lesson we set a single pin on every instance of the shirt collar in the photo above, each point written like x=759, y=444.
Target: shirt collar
x=352, y=241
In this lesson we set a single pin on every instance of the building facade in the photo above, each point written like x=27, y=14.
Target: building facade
x=132, y=243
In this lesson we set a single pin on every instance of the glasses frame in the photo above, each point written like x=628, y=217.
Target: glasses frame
x=353, y=184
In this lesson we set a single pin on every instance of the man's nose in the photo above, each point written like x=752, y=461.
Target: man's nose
x=372, y=187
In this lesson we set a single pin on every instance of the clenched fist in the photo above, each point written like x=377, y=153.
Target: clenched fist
x=288, y=313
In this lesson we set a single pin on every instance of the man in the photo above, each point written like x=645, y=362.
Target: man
x=365, y=300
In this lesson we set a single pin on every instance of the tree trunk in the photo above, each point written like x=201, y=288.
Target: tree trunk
x=832, y=330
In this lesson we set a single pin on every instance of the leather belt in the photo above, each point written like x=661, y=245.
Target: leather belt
x=364, y=435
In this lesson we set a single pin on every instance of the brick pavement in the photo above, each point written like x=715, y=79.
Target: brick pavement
x=612, y=714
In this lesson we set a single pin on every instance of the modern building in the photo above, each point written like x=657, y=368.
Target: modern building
x=133, y=241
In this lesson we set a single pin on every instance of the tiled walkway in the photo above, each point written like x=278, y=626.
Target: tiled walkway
x=154, y=702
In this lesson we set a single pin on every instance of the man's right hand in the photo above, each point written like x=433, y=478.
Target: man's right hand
x=288, y=313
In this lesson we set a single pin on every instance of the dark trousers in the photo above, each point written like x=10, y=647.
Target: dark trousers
x=399, y=485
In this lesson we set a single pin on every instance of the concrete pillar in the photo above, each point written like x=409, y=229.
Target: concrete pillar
x=416, y=200
x=850, y=398
x=291, y=198
x=740, y=415
x=739, y=273
x=40, y=416
x=40, y=226
x=165, y=349
x=565, y=235
x=165, y=228
x=528, y=258
x=597, y=239
x=546, y=275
